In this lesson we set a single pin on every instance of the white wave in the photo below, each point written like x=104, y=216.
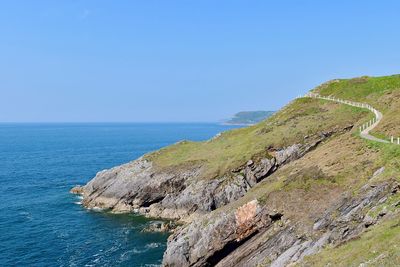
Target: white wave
x=128, y=254
x=97, y=209
x=137, y=251
x=26, y=214
x=153, y=245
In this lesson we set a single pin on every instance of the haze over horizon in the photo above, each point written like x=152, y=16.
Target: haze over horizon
x=182, y=61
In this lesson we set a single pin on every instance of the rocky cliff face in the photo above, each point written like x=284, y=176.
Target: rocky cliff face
x=244, y=236
x=258, y=235
x=178, y=193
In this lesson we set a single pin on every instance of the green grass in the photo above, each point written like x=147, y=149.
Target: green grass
x=382, y=93
x=389, y=157
x=380, y=246
x=234, y=148
x=363, y=89
x=390, y=205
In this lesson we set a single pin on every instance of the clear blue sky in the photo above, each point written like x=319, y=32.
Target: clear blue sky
x=96, y=61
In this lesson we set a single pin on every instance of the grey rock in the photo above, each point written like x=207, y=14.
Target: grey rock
x=368, y=221
x=175, y=194
x=159, y=226
x=288, y=154
x=383, y=212
x=213, y=240
x=378, y=172
x=204, y=242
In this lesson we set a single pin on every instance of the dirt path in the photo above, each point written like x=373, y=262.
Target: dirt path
x=365, y=128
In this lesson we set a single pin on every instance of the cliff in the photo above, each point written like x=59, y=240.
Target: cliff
x=299, y=184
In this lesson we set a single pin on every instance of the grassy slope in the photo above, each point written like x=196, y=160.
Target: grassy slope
x=298, y=119
x=379, y=246
x=233, y=148
x=381, y=92
x=363, y=89
x=384, y=94
x=342, y=163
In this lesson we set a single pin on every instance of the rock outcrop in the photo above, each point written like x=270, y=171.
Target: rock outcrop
x=258, y=235
x=250, y=235
x=179, y=192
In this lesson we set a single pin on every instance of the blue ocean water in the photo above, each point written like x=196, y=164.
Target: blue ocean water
x=42, y=224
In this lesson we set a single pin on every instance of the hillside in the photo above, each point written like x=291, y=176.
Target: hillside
x=249, y=117
x=299, y=183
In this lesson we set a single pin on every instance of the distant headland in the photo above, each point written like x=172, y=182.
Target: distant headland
x=248, y=117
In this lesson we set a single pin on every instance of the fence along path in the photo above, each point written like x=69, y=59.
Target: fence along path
x=366, y=127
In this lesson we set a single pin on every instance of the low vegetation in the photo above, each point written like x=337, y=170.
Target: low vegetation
x=233, y=148
x=381, y=92
x=379, y=246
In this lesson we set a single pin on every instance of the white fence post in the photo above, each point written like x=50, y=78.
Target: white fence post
x=364, y=126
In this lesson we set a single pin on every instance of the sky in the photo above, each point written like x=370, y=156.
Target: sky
x=183, y=61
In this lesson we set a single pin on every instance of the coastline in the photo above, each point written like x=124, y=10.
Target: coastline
x=237, y=124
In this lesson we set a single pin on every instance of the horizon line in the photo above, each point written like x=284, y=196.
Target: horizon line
x=97, y=122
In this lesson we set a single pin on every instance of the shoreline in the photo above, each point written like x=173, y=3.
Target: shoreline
x=237, y=124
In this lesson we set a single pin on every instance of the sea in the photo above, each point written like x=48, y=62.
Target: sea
x=42, y=224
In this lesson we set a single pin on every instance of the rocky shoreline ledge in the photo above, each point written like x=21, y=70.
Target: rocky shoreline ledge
x=177, y=194
x=256, y=233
